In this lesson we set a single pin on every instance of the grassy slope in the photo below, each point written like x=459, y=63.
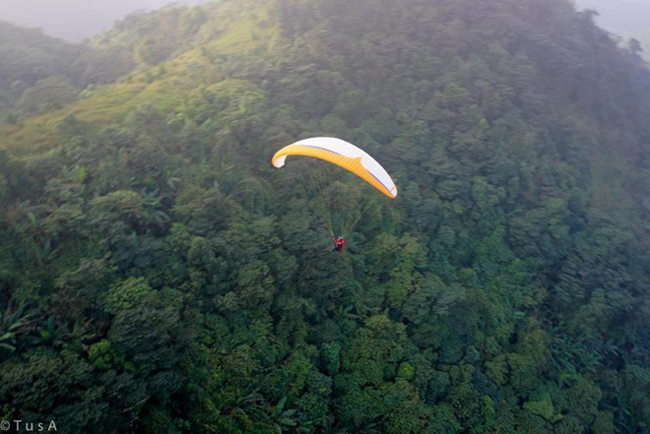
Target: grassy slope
x=233, y=27
x=241, y=28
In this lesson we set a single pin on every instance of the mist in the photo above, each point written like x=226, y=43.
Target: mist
x=324, y=216
x=75, y=20
x=623, y=17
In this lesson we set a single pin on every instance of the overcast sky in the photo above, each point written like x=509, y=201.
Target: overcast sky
x=624, y=17
x=75, y=20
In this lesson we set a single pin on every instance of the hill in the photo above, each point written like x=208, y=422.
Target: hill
x=157, y=275
x=623, y=17
x=628, y=19
x=78, y=19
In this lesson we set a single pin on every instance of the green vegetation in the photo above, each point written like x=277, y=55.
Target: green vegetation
x=156, y=275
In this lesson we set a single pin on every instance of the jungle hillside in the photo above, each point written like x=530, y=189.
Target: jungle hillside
x=157, y=275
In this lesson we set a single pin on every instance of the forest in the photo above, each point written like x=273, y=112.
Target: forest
x=157, y=275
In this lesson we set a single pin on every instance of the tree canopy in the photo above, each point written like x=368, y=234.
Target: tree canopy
x=157, y=275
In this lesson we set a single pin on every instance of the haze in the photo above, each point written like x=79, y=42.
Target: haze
x=74, y=20
x=624, y=17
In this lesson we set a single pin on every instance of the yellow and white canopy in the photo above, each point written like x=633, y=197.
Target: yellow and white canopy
x=343, y=154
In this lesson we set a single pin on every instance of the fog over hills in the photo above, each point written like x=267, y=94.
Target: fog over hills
x=620, y=16
x=74, y=20
x=157, y=274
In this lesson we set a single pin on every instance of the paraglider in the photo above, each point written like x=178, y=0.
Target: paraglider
x=321, y=191
x=342, y=154
x=339, y=243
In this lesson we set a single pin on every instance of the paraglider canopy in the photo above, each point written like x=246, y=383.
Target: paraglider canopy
x=343, y=154
x=338, y=203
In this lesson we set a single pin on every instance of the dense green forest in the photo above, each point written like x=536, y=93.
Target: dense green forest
x=157, y=275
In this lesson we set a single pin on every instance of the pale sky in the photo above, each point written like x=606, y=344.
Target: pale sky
x=624, y=17
x=75, y=20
